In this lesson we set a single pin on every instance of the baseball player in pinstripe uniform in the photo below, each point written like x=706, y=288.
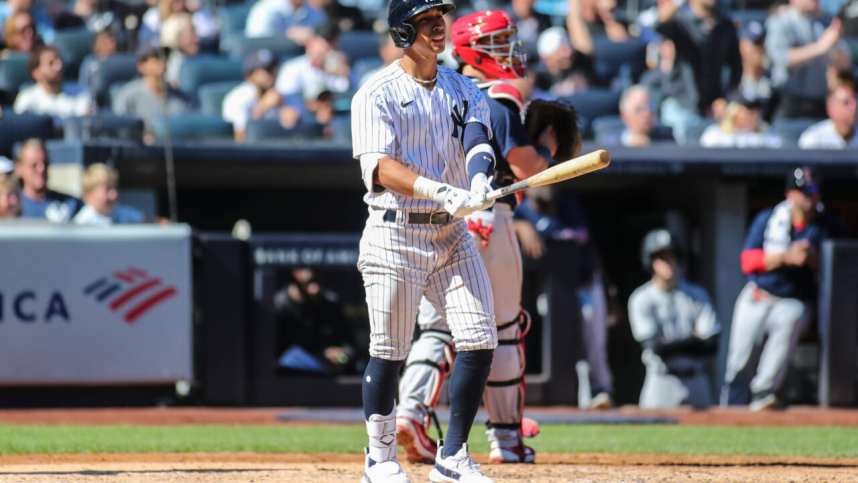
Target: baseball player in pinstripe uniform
x=422, y=135
x=485, y=43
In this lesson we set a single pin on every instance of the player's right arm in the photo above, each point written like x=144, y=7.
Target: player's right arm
x=374, y=143
x=395, y=176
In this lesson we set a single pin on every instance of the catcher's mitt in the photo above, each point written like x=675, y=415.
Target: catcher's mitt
x=561, y=116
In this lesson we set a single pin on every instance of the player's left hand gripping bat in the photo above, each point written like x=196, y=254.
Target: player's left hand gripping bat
x=578, y=166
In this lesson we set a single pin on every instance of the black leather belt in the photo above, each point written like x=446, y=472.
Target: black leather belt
x=418, y=218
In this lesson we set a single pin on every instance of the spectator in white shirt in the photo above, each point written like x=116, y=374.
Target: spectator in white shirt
x=838, y=131
x=292, y=18
x=256, y=98
x=50, y=95
x=321, y=68
x=741, y=127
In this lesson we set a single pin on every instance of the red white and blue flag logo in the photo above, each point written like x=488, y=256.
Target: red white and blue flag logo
x=131, y=293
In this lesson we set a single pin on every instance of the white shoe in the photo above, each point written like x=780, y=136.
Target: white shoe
x=601, y=401
x=768, y=401
x=383, y=472
x=457, y=468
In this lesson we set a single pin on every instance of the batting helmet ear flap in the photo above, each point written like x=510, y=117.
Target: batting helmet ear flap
x=403, y=35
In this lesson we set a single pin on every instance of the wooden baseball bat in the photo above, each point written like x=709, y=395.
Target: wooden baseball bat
x=577, y=166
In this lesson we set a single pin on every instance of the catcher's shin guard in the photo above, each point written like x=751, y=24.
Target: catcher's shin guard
x=505, y=389
x=427, y=367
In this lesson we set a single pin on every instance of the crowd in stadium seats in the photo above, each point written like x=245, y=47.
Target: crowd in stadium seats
x=24, y=192
x=700, y=72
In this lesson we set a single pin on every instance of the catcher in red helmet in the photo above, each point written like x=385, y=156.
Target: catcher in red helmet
x=485, y=43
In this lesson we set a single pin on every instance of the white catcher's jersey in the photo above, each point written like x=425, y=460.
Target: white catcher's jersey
x=393, y=115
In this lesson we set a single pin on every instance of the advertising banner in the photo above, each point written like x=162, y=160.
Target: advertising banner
x=95, y=305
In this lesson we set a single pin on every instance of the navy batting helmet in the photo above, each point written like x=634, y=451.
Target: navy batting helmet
x=400, y=13
x=656, y=241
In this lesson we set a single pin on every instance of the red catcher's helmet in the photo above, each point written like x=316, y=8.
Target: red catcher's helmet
x=486, y=41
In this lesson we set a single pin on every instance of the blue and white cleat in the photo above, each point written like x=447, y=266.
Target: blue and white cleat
x=383, y=472
x=457, y=468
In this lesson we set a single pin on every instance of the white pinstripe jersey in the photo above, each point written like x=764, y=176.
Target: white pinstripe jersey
x=394, y=115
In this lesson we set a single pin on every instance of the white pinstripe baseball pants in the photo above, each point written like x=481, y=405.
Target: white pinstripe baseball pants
x=402, y=262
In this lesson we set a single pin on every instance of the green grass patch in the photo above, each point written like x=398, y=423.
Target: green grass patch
x=690, y=440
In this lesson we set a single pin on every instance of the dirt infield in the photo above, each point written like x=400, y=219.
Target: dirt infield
x=323, y=468
x=339, y=468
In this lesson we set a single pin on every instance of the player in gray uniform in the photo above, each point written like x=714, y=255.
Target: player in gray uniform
x=422, y=135
x=485, y=43
x=676, y=325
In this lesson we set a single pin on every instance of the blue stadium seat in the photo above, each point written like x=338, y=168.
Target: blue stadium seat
x=271, y=130
x=103, y=125
x=74, y=45
x=193, y=126
x=608, y=130
x=212, y=95
x=361, y=67
x=591, y=104
x=205, y=70
x=237, y=47
x=114, y=91
x=359, y=44
x=790, y=129
x=116, y=69
x=341, y=126
x=13, y=74
x=695, y=131
x=233, y=18
x=15, y=128
x=623, y=61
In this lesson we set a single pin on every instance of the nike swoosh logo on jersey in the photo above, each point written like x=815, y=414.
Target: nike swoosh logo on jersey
x=406, y=103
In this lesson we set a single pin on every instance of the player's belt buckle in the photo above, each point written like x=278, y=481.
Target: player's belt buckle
x=439, y=218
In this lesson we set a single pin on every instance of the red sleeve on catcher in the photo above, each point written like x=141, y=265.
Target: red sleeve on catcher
x=753, y=260
x=506, y=91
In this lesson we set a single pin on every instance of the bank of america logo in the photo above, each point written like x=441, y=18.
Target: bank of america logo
x=131, y=293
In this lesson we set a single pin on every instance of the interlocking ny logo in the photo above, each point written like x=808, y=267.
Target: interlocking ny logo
x=459, y=121
x=133, y=292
